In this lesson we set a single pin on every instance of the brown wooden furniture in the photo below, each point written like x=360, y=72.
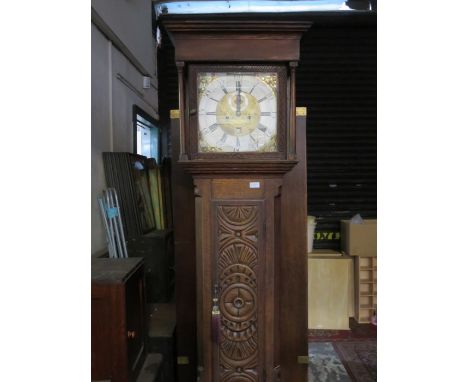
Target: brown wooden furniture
x=365, y=287
x=117, y=319
x=156, y=247
x=247, y=224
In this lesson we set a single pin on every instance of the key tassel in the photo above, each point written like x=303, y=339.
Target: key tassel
x=215, y=317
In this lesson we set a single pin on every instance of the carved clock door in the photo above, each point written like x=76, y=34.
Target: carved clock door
x=240, y=332
x=238, y=262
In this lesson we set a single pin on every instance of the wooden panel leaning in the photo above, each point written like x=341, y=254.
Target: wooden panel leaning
x=328, y=292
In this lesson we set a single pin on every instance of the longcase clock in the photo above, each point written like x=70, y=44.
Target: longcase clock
x=244, y=148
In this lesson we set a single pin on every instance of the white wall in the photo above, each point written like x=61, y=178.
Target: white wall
x=130, y=20
x=111, y=100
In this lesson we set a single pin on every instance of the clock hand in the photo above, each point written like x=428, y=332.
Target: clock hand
x=238, y=99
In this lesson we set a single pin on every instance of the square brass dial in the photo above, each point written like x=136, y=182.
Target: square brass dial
x=237, y=112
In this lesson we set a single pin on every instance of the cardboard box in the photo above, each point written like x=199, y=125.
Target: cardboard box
x=359, y=239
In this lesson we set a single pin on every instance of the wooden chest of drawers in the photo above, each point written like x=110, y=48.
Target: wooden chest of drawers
x=117, y=319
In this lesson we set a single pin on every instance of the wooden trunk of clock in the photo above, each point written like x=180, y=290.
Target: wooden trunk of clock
x=239, y=201
x=289, y=256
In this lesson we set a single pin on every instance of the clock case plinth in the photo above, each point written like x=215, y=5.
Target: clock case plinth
x=226, y=211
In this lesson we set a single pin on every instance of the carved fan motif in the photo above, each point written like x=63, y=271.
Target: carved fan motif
x=237, y=223
x=237, y=265
x=239, y=215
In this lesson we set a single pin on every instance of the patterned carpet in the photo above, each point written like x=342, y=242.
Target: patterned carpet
x=359, y=359
x=343, y=355
x=325, y=364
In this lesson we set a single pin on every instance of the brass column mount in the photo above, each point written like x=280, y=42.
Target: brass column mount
x=301, y=112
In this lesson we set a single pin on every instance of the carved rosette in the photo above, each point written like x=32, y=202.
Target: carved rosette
x=237, y=265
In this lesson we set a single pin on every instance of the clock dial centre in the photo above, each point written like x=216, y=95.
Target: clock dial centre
x=238, y=114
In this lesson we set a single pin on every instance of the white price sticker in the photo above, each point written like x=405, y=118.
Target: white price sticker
x=254, y=185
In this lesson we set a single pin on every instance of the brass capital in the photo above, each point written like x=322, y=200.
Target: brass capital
x=175, y=114
x=301, y=111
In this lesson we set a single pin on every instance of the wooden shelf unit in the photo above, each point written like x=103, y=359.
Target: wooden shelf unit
x=365, y=287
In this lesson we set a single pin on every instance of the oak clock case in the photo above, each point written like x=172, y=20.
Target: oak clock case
x=237, y=111
x=239, y=200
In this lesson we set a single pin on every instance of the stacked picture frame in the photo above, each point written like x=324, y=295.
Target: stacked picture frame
x=141, y=188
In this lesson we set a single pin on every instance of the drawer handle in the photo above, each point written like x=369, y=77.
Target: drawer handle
x=131, y=334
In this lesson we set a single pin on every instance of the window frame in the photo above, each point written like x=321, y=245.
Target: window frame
x=139, y=111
